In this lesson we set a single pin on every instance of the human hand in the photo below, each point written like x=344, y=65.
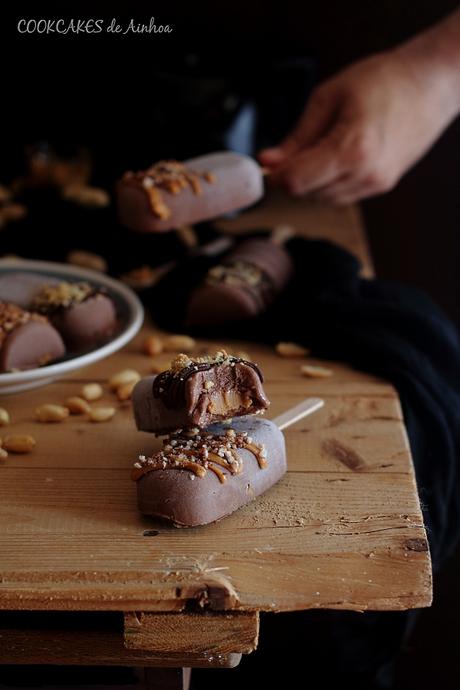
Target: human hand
x=365, y=127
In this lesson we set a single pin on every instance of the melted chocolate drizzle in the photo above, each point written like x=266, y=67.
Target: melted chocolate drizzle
x=170, y=386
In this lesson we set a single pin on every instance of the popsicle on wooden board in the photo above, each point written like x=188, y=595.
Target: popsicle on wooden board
x=200, y=477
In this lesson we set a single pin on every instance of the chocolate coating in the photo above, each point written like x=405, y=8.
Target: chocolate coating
x=171, y=494
x=30, y=345
x=212, y=305
x=20, y=287
x=238, y=183
x=86, y=323
x=204, y=397
x=82, y=325
x=272, y=259
x=218, y=301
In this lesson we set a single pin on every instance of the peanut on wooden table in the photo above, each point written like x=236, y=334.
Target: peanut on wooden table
x=343, y=529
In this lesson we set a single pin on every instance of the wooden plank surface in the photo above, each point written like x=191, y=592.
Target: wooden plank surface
x=342, y=530
x=206, y=634
x=72, y=643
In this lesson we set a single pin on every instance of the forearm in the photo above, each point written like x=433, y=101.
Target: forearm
x=365, y=127
x=434, y=57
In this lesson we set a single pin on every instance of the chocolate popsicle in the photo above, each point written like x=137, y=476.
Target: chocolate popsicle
x=171, y=195
x=242, y=285
x=84, y=315
x=26, y=340
x=20, y=287
x=198, y=392
x=198, y=478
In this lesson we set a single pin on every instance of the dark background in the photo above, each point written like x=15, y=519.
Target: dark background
x=135, y=99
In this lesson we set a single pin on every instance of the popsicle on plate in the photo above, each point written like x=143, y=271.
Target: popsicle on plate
x=171, y=194
x=84, y=315
x=241, y=285
x=20, y=287
x=200, y=477
x=26, y=340
x=197, y=392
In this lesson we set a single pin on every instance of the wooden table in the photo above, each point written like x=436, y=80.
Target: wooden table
x=342, y=530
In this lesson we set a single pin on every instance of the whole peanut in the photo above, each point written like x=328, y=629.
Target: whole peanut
x=123, y=377
x=91, y=391
x=77, y=405
x=49, y=413
x=101, y=414
x=4, y=417
x=153, y=345
x=19, y=443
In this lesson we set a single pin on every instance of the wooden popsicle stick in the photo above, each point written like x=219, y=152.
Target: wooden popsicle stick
x=298, y=412
x=281, y=234
x=187, y=235
x=213, y=248
x=217, y=246
x=189, y=238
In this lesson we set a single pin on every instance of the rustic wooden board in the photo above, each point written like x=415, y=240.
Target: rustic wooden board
x=89, y=647
x=339, y=530
x=342, y=530
x=207, y=634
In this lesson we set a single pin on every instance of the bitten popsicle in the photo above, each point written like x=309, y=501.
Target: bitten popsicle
x=196, y=392
x=241, y=285
x=26, y=340
x=171, y=194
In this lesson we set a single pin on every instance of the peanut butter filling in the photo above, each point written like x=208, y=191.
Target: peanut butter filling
x=170, y=385
x=222, y=401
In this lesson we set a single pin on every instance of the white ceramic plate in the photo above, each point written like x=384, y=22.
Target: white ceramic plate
x=129, y=309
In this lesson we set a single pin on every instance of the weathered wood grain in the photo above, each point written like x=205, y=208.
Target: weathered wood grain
x=69, y=508
x=89, y=647
x=202, y=634
x=342, y=424
x=310, y=524
x=342, y=530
